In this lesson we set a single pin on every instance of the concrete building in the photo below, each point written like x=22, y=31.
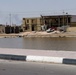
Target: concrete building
x=34, y=24
x=60, y=20
x=31, y=24
x=57, y=20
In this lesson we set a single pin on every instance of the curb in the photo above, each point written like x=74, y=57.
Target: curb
x=12, y=57
x=69, y=61
x=31, y=58
x=44, y=59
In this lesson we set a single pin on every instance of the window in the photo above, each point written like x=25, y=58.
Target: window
x=27, y=21
x=32, y=20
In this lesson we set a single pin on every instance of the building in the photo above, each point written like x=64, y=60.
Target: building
x=31, y=24
x=56, y=20
x=34, y=24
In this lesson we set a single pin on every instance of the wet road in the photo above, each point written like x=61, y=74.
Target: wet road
x=33, y=68
x=63, y=44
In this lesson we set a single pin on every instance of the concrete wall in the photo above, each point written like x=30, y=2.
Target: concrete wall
x=71, y=29
x=38, y=24
x=73, y=24
x=73, y=18
x=2, y=29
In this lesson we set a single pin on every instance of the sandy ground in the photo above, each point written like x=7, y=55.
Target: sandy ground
x=40, y=34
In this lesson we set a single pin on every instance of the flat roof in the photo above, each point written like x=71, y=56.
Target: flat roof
x=56, y=15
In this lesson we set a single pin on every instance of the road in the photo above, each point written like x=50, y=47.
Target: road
x=34, y=68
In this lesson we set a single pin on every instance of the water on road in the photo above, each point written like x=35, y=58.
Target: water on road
x=67, y=44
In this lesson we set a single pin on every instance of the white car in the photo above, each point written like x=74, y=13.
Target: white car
x=50, y=30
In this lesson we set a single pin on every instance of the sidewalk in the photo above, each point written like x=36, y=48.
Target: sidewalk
x=63, y=57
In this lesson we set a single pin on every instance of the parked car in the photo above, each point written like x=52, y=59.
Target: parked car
x=50, y=30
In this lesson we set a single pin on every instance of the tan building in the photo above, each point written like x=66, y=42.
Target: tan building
x=31, y=24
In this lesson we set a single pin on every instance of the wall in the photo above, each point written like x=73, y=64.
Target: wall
x=71, y=29
x=2, y=29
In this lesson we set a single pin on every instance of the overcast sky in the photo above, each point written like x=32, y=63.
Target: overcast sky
x=27, y=8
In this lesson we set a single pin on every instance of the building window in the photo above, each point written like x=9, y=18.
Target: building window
x=32, y=20
x=27, y=21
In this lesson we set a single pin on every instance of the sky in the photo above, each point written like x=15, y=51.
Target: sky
x=33, y=8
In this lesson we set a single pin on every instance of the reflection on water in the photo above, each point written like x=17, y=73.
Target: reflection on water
x=39, y=43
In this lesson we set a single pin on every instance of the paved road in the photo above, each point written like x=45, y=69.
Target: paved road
x=33, y=68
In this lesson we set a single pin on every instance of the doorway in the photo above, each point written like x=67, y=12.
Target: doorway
x=33, y=27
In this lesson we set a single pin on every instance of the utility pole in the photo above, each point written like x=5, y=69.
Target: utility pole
x=63, y=21
x=10, y=21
